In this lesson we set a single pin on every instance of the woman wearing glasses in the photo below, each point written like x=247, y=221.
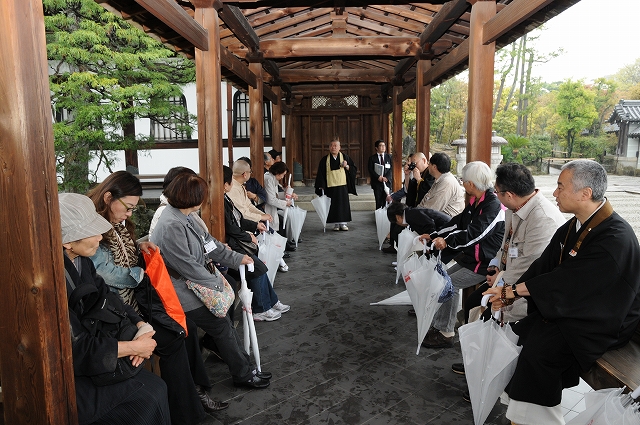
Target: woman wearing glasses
x=116, y=260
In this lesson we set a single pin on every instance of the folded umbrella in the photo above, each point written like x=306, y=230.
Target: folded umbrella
x=296, y=217
x=402, y=298
x=322, y=205
x=424, y=286
x=271, y=248
x=250, y=336
x=607, y=407
x=383, y=225
x=406, y=245
x=490, y=354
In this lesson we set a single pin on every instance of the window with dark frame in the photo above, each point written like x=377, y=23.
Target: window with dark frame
x=172, y=128
x=241, y=117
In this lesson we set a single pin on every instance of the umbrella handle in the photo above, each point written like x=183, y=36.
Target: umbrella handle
x=636, y=393
x=485, y=301
x=423, y=243
x=267, y=225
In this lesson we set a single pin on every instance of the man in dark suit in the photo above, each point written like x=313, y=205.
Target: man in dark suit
x=381, y=175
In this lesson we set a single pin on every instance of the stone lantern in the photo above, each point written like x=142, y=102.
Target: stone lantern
x=461, y=153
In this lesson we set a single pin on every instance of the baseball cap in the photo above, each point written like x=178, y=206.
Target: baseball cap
x=79, y=219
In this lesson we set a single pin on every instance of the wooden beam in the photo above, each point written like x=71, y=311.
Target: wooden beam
x=209, y=98
x=235, y=65
x=423, y=110
x=172, y=14
x=510, y=17
x=269, y=94
x=36, y=361
x=256, y=123
x=335, y=89
x=409, y=92
x=396, y=142
x=456, y=57
x=481, y=79
x=284, y=48
x=272, y=68
x=276, y=125
x=238, y=24
x=338, y=75
x=443, y=20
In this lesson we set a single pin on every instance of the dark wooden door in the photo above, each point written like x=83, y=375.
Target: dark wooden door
x=320, y=131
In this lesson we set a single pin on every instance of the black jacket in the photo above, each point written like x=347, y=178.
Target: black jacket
x=476, y=232
x=375, y=159
x=321, y=176
x=417, y=190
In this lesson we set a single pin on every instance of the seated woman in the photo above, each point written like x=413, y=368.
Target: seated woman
x=181, y=364
x=473, y=237
x=187, y=250
x=240, y=232
x=140, y=399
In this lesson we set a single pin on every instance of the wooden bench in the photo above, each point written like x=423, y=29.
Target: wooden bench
x=617, y=368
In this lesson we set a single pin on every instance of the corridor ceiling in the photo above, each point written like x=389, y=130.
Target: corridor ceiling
x=345, y=46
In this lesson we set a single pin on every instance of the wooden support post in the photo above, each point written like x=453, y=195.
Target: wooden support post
x=423, y=108
x=230, y=123
x=480, y=101
x=208, y=90
x=256, y=123
x=397, y=139
x=276, y=126
x=36, y=363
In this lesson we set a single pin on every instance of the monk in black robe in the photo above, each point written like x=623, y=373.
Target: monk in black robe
x=583, y=296
x=337, y=178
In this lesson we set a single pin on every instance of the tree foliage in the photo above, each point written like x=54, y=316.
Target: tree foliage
x=574, y=105
x=104, y=74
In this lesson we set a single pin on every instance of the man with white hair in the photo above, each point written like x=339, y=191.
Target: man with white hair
x=582, y=293
x=472, y=237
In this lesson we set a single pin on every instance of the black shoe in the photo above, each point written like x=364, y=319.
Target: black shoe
x=466, y=397
x=209, y=405
x=255, y=382
x=411, y=312
x=290, y=247
x=286, y=255
x=389, y=250
x=437, y=340
x=458, y=368
x=262, y=375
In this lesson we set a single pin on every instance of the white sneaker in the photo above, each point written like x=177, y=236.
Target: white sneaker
x=282, y=308
x=394, y=263
x=336, y=228
x=267, y=316
x=283, y=269
x=344, y=227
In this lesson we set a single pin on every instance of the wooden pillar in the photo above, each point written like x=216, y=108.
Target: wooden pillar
x=256, y=123
x=36, y=361
x=276, y=126
x=230, y=123
x=397, y=139
x=423, y=108
x=208, y=91
x=480, y=101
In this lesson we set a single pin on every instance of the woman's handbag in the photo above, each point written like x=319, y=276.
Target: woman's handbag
x=218, y=302
x=247, y=247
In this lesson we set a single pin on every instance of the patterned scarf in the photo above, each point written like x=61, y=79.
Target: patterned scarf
x=124, y=251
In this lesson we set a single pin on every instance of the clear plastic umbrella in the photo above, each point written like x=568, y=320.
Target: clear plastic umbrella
x=490, y=354
x=382, y=225
x=609, y=406
x=250, y=336
x=322, y=205
x=271, y=248
x=296, y=217
x=424, y=286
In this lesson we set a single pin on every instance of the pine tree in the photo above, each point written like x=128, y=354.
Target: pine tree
x=104, y=74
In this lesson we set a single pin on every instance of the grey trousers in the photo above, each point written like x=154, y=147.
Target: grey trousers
x=445, y=318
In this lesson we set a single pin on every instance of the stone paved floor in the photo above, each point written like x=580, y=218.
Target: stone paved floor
x=338, y=360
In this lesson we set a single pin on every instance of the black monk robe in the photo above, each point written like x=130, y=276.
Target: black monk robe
x=340, y=210
x=580, y=306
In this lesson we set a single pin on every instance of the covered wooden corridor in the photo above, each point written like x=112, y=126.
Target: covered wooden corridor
x=382, y=53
